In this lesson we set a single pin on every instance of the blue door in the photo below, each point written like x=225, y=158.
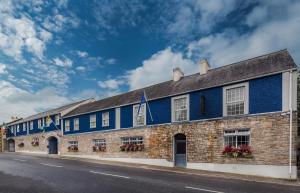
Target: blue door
x=180, y=150
x=52, y=147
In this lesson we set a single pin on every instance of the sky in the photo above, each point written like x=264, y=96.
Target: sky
x=56, y=52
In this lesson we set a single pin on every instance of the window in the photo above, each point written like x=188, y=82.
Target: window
x=48, y=121
x=76, y=124
x=31, y=125
x=18, y=128
x=180, y=108
x=28, y=125
x=99, y=142
x=105, y=119
x=132, y=140
x=67, y=125
x=56, y=119
x=237, y=137
x=40, y=123
x=93, y=121
x=43, y=121
x=24, y=127
x=235, y=99
x=73, y=143
x=139, y=117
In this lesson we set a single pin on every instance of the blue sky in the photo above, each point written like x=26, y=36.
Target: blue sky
x=55, y=52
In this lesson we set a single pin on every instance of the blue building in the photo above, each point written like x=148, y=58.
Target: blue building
x=237, y=118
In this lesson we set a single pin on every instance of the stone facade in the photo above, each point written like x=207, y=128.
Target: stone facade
x=269, y=140
x=42, y=139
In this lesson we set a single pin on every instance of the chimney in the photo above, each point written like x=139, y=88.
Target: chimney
x=177, y=74
x=203, y=66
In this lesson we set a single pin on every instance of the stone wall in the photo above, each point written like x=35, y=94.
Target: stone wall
x=269, y=140
x=43, y=142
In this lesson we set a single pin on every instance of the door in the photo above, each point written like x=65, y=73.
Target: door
x=180, y=150
x=11, y=145
x=53, y=143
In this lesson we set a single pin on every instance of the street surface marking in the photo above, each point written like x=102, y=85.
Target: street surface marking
x=51, y=165
x=206, y=190
x=107, y=174
x=21, y=160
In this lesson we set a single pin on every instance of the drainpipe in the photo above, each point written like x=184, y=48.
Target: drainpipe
x=291, y=121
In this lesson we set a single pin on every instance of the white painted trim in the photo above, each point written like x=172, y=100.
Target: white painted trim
x=93, y=115
x=187, y=96
x=155, y=162
x=118, y=118
x=204, y=88
x=273, y=171
x=32, y=152
x=286, y=92
x=246, y=95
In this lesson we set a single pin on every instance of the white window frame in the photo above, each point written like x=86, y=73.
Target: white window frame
x=39, y=123
x=135, y=122
x=93, y=124
x=18, y=128
x=99, y=142
x=105, y=119
x=31, y=125
x=246, y=97
x=73, y=143
x=24, y=127
x=67, y=125
x=187, y=96
x=76, y=124
x=132, y=140
x=48, y=122
x=56, y=119
x=237, y=132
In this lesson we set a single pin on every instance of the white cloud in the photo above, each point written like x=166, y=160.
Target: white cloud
x=111, y=84
x=82, y=54
x=2, y=68
x=111, y=61
x=18, y=102
x=159, y=68
x=81, y=68
x=66, y=62
x=272, y=35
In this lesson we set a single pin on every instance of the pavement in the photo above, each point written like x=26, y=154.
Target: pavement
x=29, y=174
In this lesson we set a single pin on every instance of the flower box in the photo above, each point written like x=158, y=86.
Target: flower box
x=20, y=145
x=99, y=148
x=243, y=151
x=35, y=143
x=132, y=147
x=73, y=148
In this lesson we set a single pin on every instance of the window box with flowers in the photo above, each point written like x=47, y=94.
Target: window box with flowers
x=35, y=142
x=99, y=145
x=237, y=143
x=21, y=145
x=243, y=151
x=73, y=146
x=132, y=144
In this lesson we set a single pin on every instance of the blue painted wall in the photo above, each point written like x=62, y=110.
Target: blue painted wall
x=160, y=110
x=126, y=116
x=265, y=94
x=84, y=122
x=213, y=104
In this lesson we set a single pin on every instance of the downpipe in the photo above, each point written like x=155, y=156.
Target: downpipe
x=291, y=124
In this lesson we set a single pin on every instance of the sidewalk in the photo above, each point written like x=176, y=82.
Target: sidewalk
x=179, y=170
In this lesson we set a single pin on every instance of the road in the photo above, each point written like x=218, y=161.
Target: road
x=30, y=174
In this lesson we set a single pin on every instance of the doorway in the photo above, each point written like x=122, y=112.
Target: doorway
x=11, y=145
x=52, y=145
x=180, y=150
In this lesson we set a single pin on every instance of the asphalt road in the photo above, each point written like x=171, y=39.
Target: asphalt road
x=29, y=174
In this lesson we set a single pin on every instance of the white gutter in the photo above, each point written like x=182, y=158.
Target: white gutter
x=291, y=119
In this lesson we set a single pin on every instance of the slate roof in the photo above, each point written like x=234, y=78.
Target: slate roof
x=46, y=113
x=247, y=69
